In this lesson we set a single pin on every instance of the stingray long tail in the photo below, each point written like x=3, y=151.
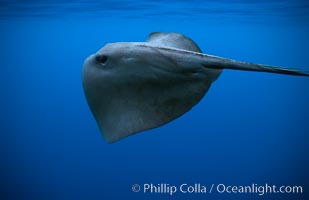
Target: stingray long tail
x=214, y=62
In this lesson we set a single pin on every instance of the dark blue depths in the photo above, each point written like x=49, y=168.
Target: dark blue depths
x=250, y=128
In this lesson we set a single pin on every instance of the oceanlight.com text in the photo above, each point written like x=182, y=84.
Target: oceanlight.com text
x=199, y=188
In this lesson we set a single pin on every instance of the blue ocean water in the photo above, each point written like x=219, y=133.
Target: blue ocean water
x=250, y=128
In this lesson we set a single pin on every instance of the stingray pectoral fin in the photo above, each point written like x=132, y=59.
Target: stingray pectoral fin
x=213, y=62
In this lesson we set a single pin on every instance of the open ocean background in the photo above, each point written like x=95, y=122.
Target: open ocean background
x=249, y=128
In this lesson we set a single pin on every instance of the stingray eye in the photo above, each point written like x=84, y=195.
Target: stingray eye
x=101, y=59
